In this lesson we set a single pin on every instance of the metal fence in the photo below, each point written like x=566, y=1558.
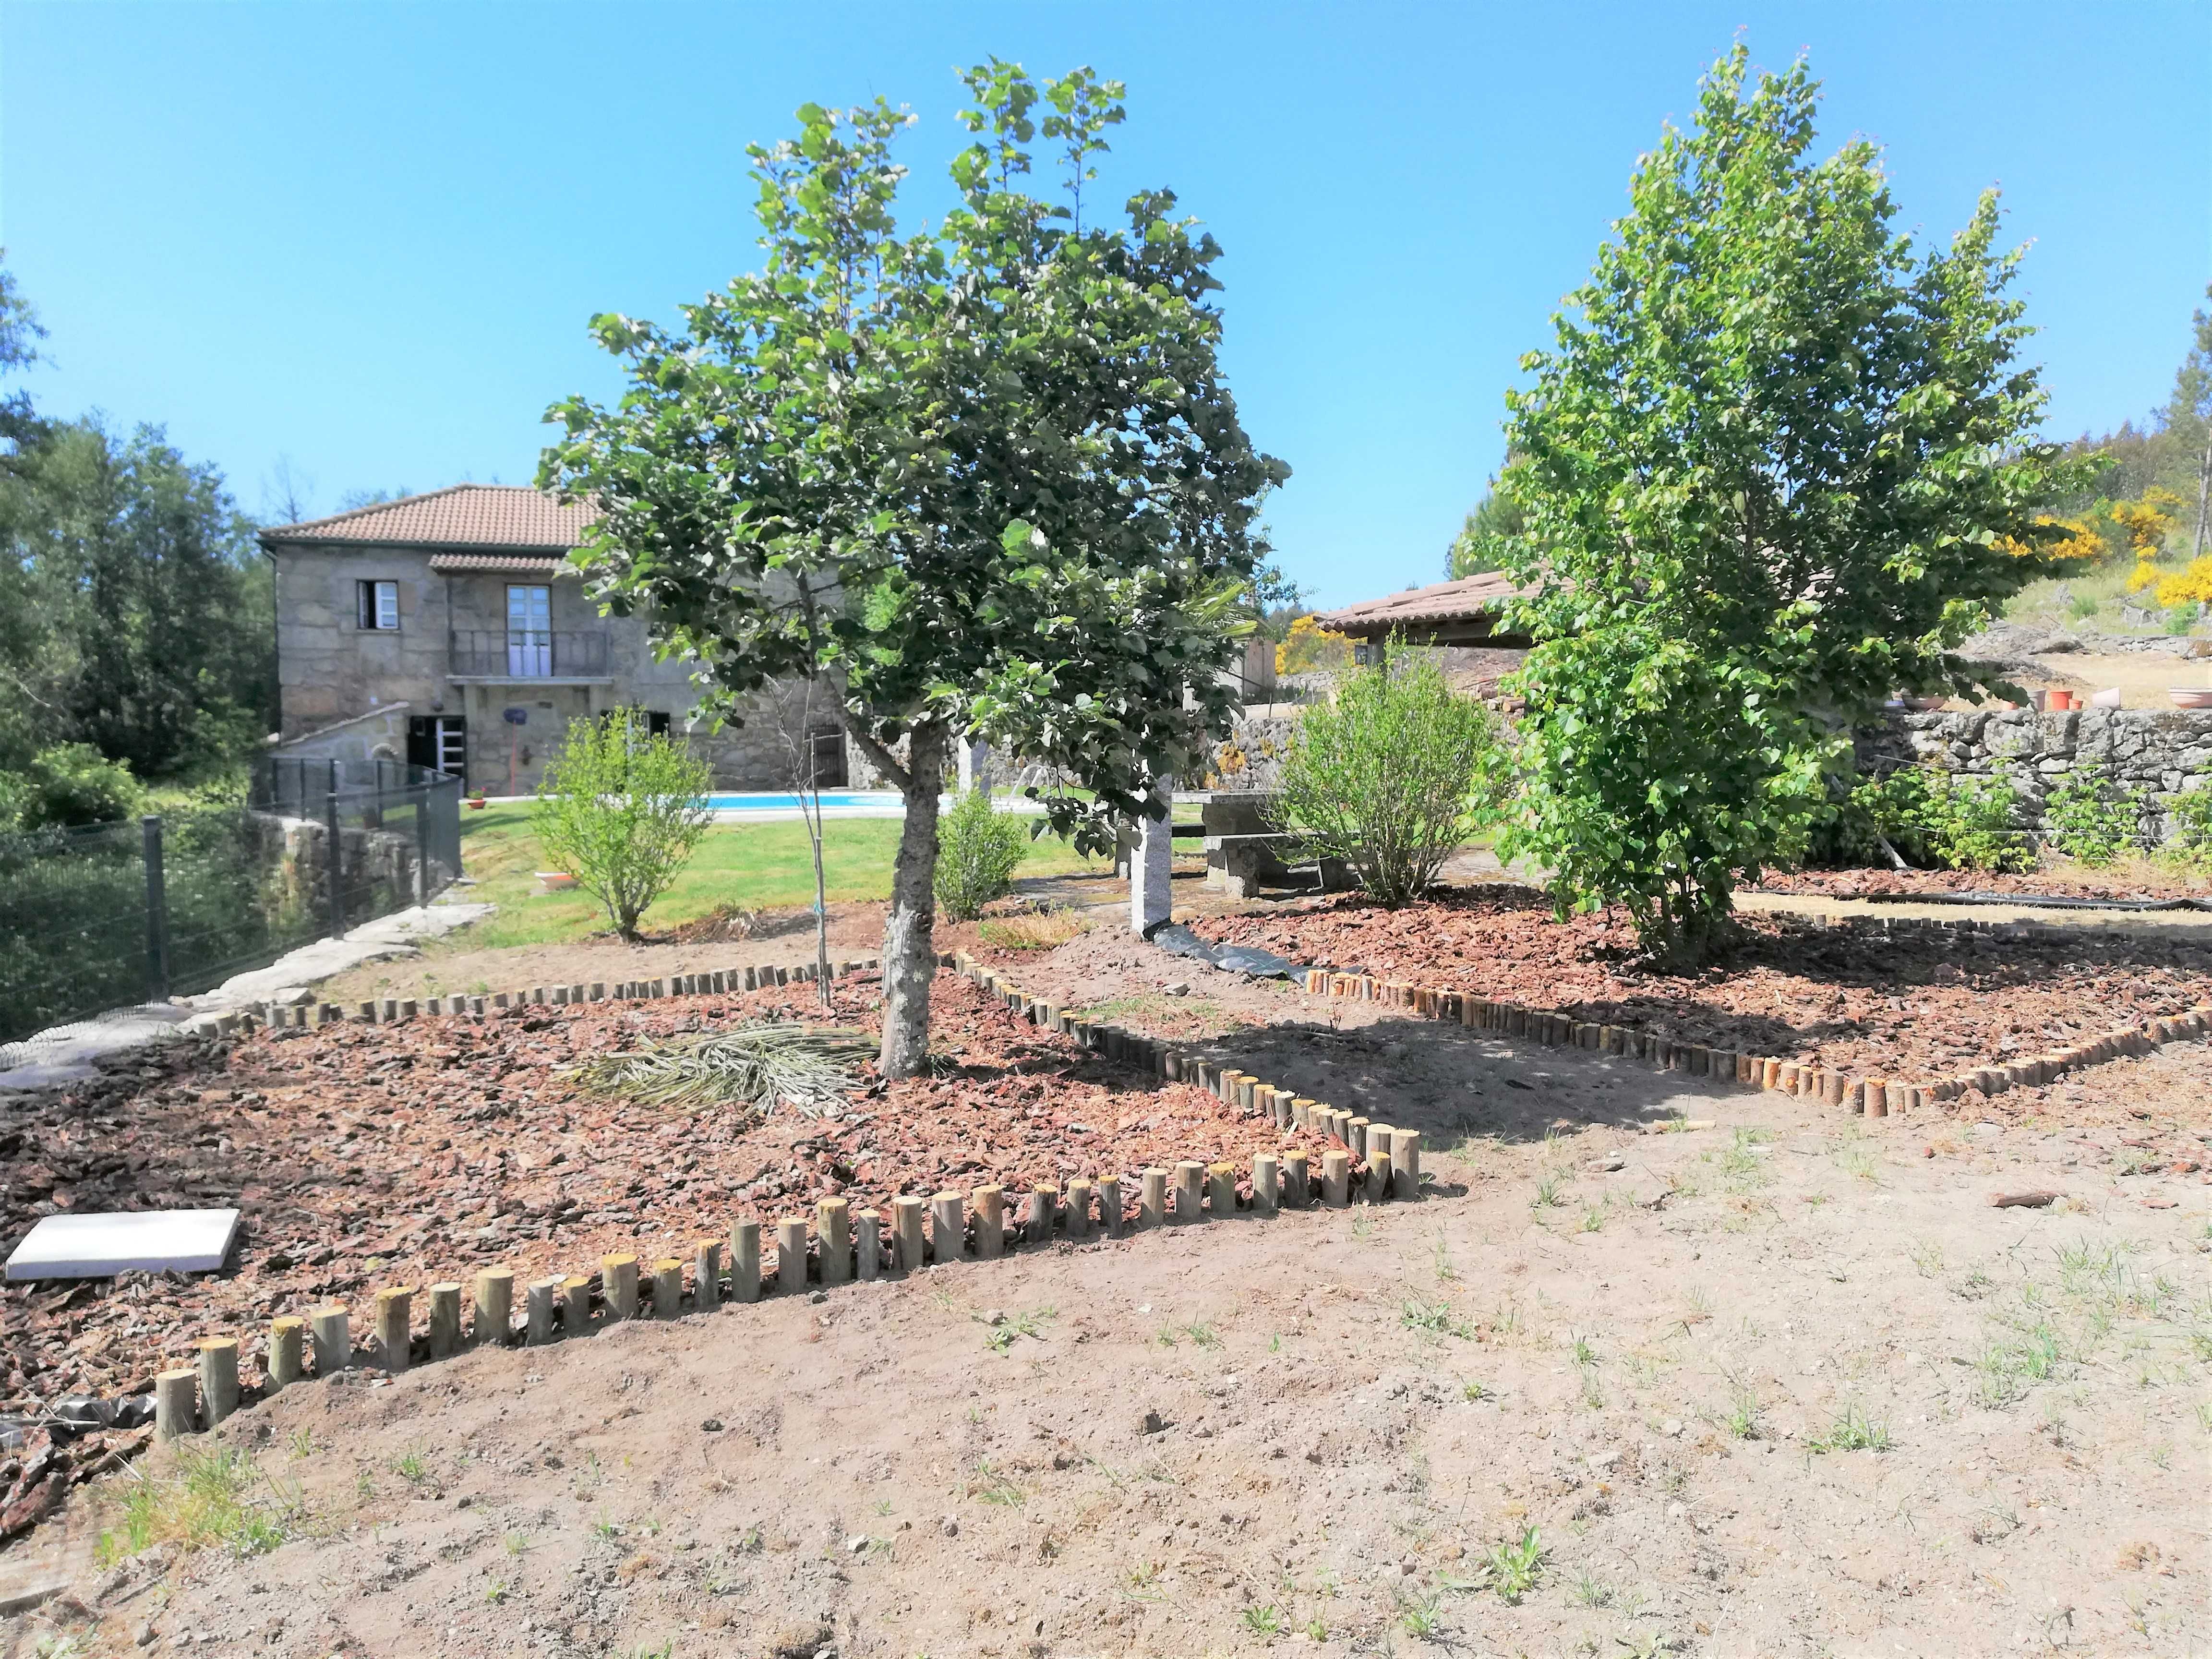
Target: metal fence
x=117, y=914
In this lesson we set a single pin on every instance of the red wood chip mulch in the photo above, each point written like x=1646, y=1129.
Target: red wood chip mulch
x=1915, y=1003
x=372, y=1155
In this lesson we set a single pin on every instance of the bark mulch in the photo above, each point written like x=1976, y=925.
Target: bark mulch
x=2066, y=880
x=1924, y=1002
x=372, y=1155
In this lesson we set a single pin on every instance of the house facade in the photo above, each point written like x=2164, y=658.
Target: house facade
x=449, y=630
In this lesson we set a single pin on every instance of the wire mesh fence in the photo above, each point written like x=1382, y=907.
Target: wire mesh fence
x=114, y=914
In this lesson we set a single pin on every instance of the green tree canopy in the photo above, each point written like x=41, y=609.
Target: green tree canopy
x=1776, y=464
x=987, y=475
x=1485, y=541
x=134, y=612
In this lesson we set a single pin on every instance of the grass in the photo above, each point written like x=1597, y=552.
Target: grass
x=1589, y=1591
x=992, y=1488
x=1743, y=1414
x=1741, y=1166
x=1043, y=931
x=998, y=1333
x=753, y=866
x=1434, y=1319
x=212, y=1499
x=1853, y=1431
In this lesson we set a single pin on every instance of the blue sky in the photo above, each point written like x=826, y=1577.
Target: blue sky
x=367, y=237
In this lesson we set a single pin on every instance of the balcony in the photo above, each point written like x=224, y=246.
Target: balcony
x=537, y=655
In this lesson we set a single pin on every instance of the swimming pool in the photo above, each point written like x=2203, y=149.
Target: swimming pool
x=846, y=799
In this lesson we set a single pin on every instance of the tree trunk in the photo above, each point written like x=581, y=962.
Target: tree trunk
x=2203, y=493
x=910, y=946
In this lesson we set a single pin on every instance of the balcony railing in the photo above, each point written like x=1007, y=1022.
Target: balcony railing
x=519, y=653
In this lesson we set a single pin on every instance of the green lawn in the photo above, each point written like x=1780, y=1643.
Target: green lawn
x=751, y=866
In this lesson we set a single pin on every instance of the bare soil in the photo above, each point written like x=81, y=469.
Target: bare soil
x=1775, y=1387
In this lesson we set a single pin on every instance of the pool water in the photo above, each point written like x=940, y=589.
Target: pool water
x=790, y=802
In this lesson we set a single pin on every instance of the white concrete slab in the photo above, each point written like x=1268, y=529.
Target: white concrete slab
x=95, y=1246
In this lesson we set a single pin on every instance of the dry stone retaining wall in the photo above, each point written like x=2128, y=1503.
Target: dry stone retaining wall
x=2167, y=753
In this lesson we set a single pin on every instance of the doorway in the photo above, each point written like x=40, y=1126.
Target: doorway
x=440, y=743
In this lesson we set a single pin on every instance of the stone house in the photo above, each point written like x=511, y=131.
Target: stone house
x=449, y=630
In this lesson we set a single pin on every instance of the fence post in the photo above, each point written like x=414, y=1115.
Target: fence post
x=423, y=845
x=157, y=913
x=337, y=859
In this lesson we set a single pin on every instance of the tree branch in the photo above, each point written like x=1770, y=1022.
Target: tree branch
x=881, y=757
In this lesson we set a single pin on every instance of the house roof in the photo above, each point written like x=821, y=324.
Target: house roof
x=1472, y=603
x=506, y=516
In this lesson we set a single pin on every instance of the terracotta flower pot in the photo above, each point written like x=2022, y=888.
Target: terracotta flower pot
x=2191, y=697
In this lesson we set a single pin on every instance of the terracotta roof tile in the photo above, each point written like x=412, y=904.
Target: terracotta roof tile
x=514, y=564
x=460, y=515
x=1468, y=598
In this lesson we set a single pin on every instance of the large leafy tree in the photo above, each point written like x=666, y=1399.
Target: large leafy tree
x=1776, y=465
x=134, y=612
x=984, y=475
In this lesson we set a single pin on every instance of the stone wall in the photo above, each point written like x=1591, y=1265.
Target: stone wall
x=2166, y=752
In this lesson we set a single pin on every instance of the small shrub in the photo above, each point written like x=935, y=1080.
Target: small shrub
x=621, y=811
x=1935, y=817
x=2193, y=825
x=1393, y=776
x=978, y=850
x=2090, y=818
x=66, y=786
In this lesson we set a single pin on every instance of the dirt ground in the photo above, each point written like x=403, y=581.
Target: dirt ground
x=1773, y=1386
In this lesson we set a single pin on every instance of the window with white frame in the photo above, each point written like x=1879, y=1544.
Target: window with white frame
x=376, y=605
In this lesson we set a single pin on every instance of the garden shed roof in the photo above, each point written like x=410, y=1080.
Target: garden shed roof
x=1462, y=612
x=507, y=516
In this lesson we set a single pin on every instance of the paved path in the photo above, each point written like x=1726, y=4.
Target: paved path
x=64, y=1053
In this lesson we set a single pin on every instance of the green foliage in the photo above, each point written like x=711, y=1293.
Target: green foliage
x=1937, y=818
x=2089, y=816
x=217, y=1498
x=1513, y=1568
x=2193, y=825
x=621, y=811
x=1852, y=1431
x=1391, y=775
x=2165, y=453
x=984, y=476
x=73, y=913
x=1484, y=542
x=978, y=850
x=1776, y=465
x=67, y=785
x=134, y=611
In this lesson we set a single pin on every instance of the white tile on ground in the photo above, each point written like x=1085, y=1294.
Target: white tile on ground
x=95, y=1246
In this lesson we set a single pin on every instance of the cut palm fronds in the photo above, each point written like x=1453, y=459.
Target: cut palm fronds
x=809, y=1066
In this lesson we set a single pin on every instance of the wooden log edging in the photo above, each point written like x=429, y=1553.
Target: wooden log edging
x=1868, y=1096
x=1365, y=1162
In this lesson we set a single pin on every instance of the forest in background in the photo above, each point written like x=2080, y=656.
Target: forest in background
x=137, y=650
